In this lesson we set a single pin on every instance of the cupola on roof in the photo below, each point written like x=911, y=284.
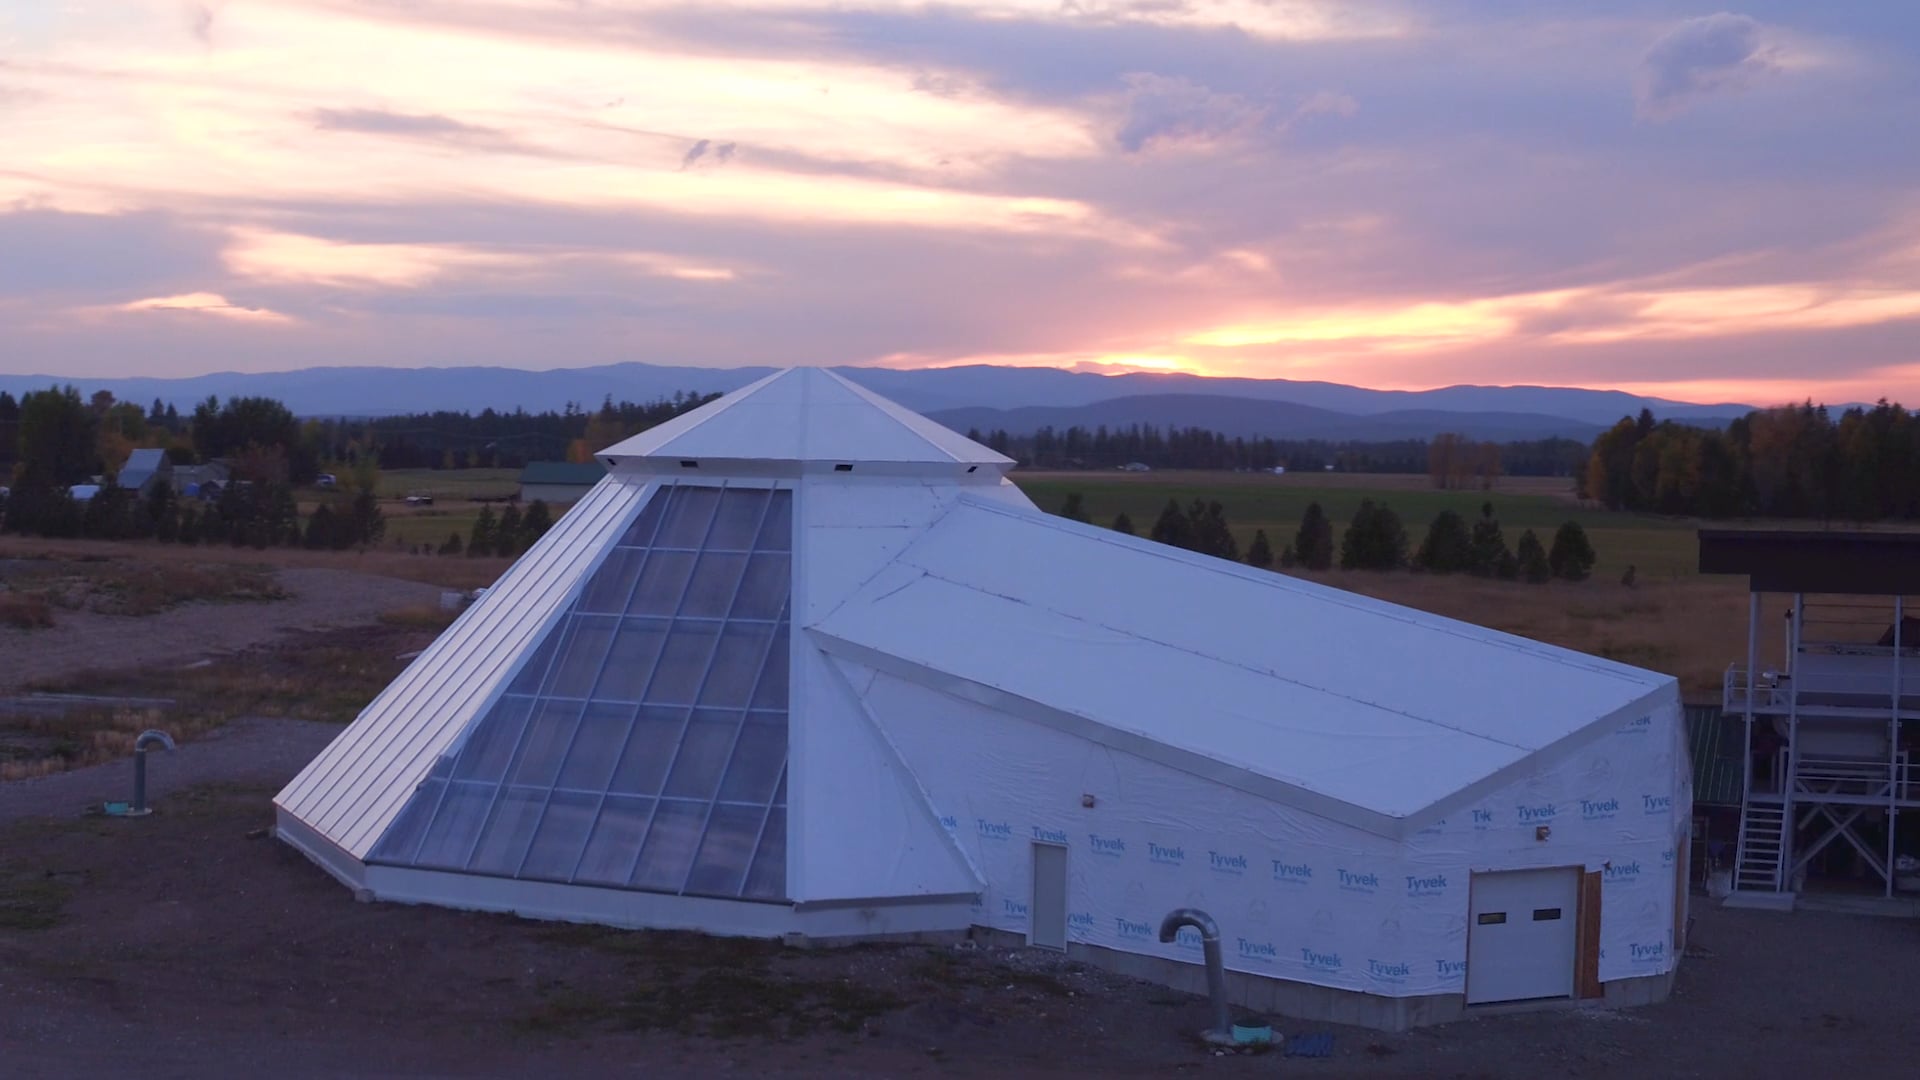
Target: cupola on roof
x=804, y=417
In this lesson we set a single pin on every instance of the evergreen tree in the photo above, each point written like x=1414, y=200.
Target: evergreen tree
x=1288, y=560
x=535, y=525
x=1313, y=544
x=9, y=431
x=1074, y=508
x=1532, y=559
x=58, y=444
x=483, y=541
x=366, y=524
x=1571, y=556
x=166, y=527
x=1489, y=544
x=281, y=519
x=321, y=528
x=1173, y=527
x=1448, y=548
x=1260, y=553
x=1375, y=540
x=506, y=537
x=1207, y=524
x=452, y=546
x=1123, y=524
x=189, y=530
x=1508, y=568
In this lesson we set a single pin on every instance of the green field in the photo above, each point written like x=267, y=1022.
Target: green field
x=1662, y=547
x=448, y=483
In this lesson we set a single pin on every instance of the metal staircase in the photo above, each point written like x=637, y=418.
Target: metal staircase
x=1758, y=859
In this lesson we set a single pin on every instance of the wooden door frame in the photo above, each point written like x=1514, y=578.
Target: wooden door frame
x=1586, y=957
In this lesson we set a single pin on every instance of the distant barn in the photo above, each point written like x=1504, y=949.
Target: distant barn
x=146, y=471
x=559, y=481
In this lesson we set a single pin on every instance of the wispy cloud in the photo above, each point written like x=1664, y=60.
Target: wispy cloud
x=208, y=304
x=1379, y=191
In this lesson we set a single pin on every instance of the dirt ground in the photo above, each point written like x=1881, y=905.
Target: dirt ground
x=318, y=597
x=191, y=944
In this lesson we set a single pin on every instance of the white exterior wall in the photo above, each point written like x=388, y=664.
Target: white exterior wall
x=1296, y=896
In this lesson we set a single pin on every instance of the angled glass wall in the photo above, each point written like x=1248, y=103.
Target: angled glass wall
x=643, y=744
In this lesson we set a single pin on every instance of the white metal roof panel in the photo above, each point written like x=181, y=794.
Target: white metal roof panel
x=1375, y=706
x=805, y=415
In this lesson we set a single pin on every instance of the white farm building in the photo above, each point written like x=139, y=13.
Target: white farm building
x=807, y=665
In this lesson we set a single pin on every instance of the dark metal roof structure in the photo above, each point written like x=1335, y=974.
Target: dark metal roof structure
x=1714, y=744
x=1804, y=561
x=582, y=474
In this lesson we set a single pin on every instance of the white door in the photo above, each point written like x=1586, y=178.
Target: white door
x=1521, y=936
x=1047, y=922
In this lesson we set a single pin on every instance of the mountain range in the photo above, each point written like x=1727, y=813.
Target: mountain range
x=1017, y=400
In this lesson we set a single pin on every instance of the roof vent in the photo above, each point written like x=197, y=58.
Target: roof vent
x=843, y=468
x=688, y=464
x=972, y=468
x=609, y=463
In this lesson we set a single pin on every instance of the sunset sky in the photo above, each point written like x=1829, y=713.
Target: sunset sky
x=1670, y=199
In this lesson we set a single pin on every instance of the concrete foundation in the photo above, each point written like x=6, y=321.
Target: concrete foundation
x=1305, y=1001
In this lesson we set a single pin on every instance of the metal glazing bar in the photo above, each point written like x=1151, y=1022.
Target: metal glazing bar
x=734, y=746
x=600, y=806
x=653, y=812
x=561, y=627
x=760, y=837
x=579, y=719
x=701, y=689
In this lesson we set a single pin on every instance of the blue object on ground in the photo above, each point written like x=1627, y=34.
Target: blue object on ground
x=1317, y=1045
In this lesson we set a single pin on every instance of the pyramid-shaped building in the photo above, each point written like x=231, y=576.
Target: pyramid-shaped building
x=806, y=664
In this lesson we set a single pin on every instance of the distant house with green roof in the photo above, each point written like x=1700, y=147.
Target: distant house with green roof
x=559, y=481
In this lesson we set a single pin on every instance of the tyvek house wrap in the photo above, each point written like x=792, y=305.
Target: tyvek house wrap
x=1297, y=896
x=1369, y=713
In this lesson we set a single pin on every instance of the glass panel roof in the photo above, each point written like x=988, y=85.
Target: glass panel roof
x=644, y=743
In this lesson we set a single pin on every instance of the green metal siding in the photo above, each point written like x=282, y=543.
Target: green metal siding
x=584, y=474
x=1714, y=744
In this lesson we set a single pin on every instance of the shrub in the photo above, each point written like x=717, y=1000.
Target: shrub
x=1532, y=560
x=1448, y=549
x=1490, y=552
x=1260, y=552
x=25, y=611
x=1374, y=541
x=1313, y=544
x=1571, y=557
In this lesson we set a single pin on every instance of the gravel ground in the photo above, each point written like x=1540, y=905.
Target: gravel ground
x=320, y=598
x=256, y=750
x=187, y=945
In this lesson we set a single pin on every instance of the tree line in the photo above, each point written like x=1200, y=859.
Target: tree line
x=61, y=439
x=1198, y=448
x=1794, y=462
x=1374, y=540
x=54, y=440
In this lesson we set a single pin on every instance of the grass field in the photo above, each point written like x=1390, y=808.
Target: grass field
x=449, y=483
x=1656, y=547
x=1673, y=620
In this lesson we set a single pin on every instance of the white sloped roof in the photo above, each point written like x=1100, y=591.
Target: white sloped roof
x=804, y=415
x=1356, y=709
